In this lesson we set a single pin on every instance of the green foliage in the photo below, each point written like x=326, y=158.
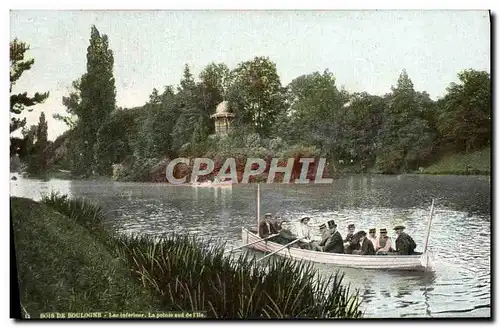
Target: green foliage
x=256, y=94
x=20, y=101
x=405, y=136
x=316, y=111
x=64, y=268
x=190, y=274
x=465, y=112
x=477, y=162
x=70, y=263
x=89, y=106
x=398, y=132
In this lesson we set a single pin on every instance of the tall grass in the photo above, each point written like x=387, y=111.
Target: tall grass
x=64, y=268
x=187, y=273
x=191, y=274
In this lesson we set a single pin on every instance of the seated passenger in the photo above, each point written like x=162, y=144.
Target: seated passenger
x=383, y=243
x=266, y=228
x=372, y=235
x=354, y=244
x=365, y=245
x=332, y=241
x=285, y=235
x=350, y=234
x=405, y=245
x=304, y=233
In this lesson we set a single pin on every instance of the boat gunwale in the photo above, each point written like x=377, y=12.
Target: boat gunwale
x=417, y=256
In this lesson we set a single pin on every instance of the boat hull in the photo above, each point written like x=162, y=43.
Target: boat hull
x=376, y=262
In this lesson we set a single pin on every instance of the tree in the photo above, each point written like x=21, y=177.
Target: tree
x=406, y=137
x=92, y=103
x=362, y=120
x=20, y=101
x=315, y=111
x=36, y=146
x=465, y=112
x=256, y=95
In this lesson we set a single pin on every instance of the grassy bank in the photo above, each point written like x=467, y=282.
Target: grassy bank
x=63, y=267
x=67, y=261
x=478, y=162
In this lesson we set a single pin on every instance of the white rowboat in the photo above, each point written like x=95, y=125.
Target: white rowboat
x=379, y=262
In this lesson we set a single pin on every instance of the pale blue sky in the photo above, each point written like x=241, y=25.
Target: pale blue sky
x=365, y=50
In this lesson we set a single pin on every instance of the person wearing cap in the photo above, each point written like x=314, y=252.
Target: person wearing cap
x=266, y=228
x=365, y=245
x=405, y=245
x=372, y=235
x=350, y=234
x=383, y=242
x=332, y=242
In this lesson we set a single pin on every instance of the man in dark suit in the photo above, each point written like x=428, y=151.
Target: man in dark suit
x=365, y=245
x=267, y=227
x=405, y=245
x=285, y=235
x=332, y=242
x=353, y=244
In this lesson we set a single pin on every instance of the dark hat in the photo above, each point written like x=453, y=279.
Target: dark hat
x=399, y=227
x=361, y=233
x=304, y=217
x=372, y=230
x=383, y=230
x=331, y=224
x=350, y=225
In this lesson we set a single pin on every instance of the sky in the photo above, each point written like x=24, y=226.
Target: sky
x=365, y=50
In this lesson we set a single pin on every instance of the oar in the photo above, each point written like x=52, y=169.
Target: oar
x=287, y=245
x=253, y=242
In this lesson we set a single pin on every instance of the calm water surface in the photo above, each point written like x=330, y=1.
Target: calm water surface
x=459, y=285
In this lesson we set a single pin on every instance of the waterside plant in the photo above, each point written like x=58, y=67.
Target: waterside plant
x=173, y=272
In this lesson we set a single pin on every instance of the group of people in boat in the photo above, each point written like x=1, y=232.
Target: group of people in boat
x=280, y=231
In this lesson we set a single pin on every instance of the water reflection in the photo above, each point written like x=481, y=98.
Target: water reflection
x=459, y=284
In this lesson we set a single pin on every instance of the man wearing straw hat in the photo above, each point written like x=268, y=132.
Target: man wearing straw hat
x=304, y=233
x=383, y=243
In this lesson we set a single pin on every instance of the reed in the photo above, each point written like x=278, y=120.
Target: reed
x=191, y=274
x=188, y=273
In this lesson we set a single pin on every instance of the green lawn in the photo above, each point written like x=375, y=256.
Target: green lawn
x=479, y=162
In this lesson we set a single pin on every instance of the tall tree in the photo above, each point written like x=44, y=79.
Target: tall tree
x=315, y=111
x=406, y=137
x=192, y=110
x=465, y=112
x=256, y=95
x=20, y=101
x=92, y=104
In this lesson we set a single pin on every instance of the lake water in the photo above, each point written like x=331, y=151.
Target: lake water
x=458, y=286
